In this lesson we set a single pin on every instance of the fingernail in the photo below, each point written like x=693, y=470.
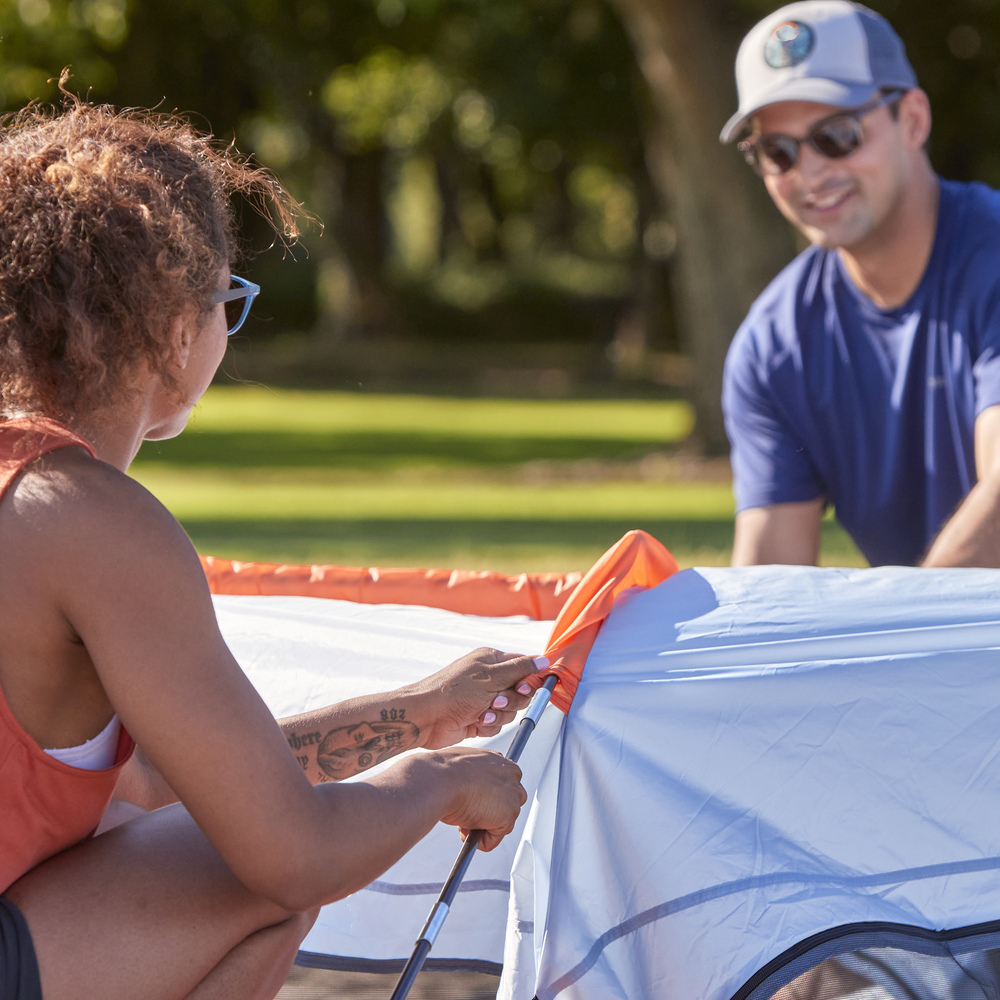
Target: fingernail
x=500, y=701
x=489, y=718
x=542, y=662
x=524, y=689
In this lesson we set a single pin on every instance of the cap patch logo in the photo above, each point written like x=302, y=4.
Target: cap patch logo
x=788, y=45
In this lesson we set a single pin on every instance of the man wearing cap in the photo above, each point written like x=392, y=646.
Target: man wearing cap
x=867, y=375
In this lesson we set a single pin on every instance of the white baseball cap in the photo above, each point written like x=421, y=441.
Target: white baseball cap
x=827, y=51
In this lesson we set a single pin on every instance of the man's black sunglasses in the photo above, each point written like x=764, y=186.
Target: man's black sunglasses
x=836, y=136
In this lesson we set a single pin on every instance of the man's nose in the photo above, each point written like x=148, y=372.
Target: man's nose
x=810, y=163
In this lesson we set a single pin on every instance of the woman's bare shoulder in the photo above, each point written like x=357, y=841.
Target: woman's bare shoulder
x=67, y=487
x=79, y=514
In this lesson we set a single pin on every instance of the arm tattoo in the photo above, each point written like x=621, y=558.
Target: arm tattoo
x=297, y=742
x=351, y=749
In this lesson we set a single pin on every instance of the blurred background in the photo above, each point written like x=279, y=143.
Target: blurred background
x=532, y=257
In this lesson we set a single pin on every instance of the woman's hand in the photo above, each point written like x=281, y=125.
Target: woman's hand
x=474, y=696
x=487, y=795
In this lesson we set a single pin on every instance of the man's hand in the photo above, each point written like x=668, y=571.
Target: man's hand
x=972, y=535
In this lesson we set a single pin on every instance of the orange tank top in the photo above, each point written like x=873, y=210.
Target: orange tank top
x=45, y=805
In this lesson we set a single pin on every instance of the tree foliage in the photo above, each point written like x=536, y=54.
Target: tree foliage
x=461, y=146
x=466, y=154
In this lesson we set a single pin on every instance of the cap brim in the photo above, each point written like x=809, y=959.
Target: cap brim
x=832, y=92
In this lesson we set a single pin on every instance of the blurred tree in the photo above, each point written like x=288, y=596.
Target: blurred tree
x=730, y=240
x=469, y=152
x=526, y=109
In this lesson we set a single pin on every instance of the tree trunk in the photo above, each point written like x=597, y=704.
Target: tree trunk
x=363, y=232
x=731, y=240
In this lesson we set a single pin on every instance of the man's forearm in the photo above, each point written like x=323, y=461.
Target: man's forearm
x=971, y=537
x=786, y=533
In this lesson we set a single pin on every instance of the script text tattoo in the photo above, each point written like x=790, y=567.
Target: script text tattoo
x=299, y=740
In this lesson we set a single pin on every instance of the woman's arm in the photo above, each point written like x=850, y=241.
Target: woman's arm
x=474, y=696
x=132, y=590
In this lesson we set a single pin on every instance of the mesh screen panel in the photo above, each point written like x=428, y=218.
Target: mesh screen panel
x=898, y=974
x=322, y=984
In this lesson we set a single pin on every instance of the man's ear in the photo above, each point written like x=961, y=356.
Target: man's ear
x=181, y=335
x=915, y=117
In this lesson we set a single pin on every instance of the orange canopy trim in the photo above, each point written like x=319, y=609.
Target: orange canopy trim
x=637, y=560
x=538, y=595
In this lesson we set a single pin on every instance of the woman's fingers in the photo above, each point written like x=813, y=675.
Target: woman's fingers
x=507, y=704
x=519, y=694
x=494, y=721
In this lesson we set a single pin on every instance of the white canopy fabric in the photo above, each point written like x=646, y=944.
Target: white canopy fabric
x=303, y=653
x=753, y=757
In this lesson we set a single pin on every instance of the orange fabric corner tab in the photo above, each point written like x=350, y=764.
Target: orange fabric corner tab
x=636, y=560
x=537, y=595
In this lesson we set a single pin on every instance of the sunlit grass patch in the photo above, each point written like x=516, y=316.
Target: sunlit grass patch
x=511, y=485
x=201, y=494
x=382, y=521
x=260, y=408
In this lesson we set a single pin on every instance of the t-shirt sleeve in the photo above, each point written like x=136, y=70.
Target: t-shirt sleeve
x=986, y=364
x=976, y=285
x=769, y=460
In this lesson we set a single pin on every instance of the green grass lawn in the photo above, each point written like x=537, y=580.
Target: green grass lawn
x=377, y=480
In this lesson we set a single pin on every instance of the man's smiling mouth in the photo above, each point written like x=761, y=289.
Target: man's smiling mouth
x=824, y=202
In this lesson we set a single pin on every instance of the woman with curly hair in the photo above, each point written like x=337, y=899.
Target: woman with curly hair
x=116, y=238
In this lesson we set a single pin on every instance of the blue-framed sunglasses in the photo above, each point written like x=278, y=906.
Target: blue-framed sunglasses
x=237, y=298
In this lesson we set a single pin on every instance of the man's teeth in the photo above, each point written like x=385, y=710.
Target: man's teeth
x=828, y=200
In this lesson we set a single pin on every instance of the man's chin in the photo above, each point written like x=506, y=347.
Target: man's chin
x=829, y=239
x=844, y=234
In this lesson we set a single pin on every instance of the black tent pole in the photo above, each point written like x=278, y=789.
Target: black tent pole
x=439, y=913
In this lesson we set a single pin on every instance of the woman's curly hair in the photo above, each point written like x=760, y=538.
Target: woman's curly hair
x=112, y=223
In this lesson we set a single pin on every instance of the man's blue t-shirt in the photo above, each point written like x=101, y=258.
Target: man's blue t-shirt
x=826, y=395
